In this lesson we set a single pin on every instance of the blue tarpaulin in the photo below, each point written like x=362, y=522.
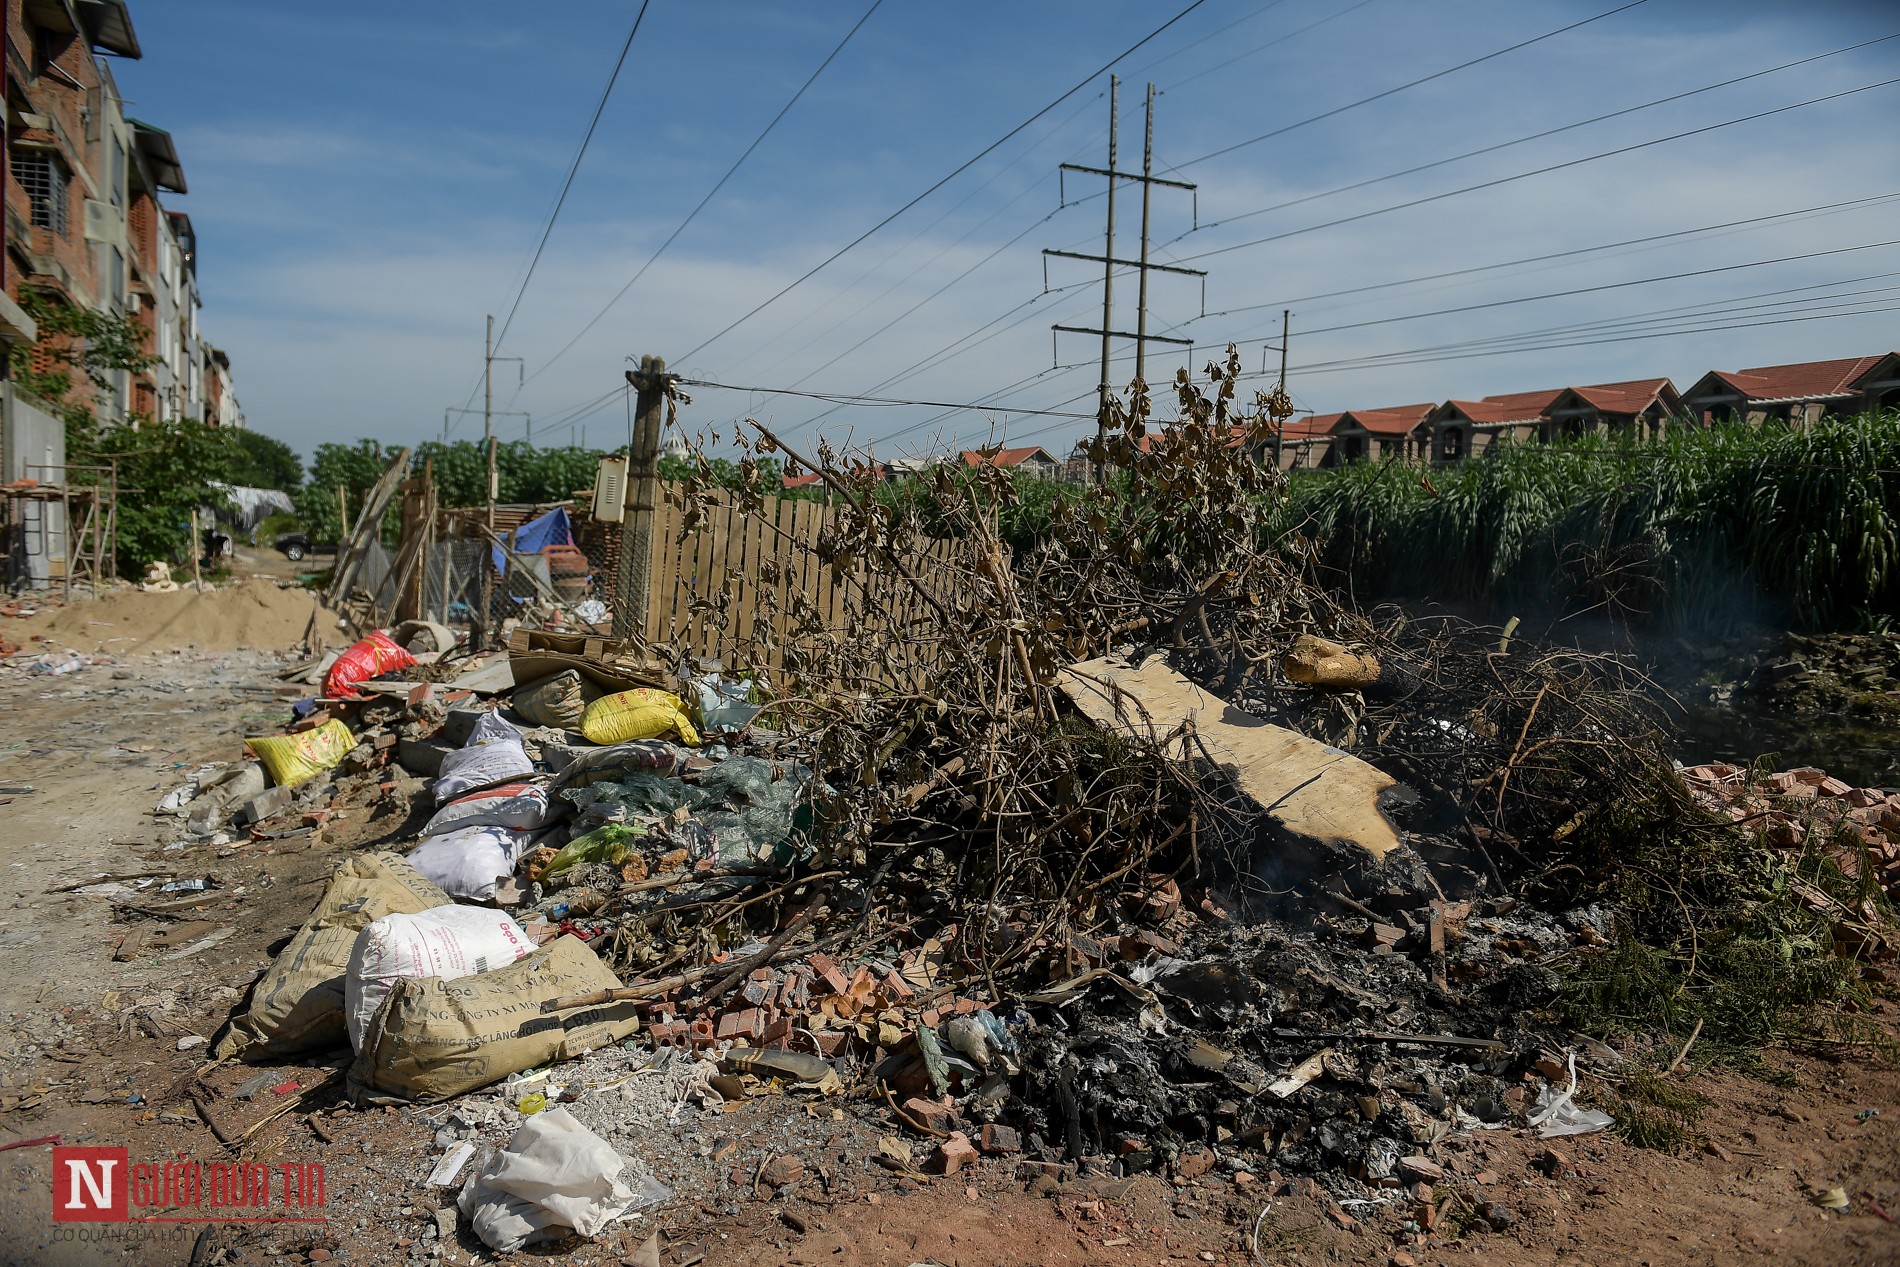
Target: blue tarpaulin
x=551, y=529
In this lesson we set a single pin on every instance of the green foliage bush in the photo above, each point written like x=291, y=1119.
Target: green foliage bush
x=1700, y=528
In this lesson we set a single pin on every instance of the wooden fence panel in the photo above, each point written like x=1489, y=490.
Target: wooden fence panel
x=732, y=552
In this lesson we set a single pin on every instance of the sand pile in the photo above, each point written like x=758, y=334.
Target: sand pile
x=254, y=614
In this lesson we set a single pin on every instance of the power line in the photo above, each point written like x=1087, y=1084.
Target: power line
x=1554, y=255
x=1540, y=171
x=573, y=169
x=1325, y=368
x=1538, y=136
x=985, y=151
x=840, y=398
x=1588, y=290
x=1272, y=43
x=721, y=184
x=1426, y=79
x=1701, y=310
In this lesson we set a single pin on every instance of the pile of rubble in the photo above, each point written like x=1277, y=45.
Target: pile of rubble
x=1097, y=858
x=1859, y=673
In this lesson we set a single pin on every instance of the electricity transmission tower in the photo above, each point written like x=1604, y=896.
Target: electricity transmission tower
x=1147, y=180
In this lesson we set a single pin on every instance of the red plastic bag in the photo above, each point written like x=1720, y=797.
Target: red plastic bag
x=374, y=656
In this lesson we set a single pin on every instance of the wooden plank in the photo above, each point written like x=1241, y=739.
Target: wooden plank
x=1310, y=788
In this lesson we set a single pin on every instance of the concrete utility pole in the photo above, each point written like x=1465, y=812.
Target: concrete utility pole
x=1109, y=263
x=1107, y=387
x=488, y=443
x=633, y=591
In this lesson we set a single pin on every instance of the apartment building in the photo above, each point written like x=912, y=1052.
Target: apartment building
x=84, y=220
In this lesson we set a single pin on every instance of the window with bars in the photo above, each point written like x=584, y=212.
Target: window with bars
x=44, y=179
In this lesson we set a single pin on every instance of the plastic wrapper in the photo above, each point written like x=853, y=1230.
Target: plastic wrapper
x=553, y=1175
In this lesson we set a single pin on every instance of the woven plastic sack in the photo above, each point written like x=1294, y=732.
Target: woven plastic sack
x=644, y=713
x=447, y=942
x=371, y=658
x=522, y=806
x=492, y=756
x=294, y=759
x=471, y=862
x=560, y=701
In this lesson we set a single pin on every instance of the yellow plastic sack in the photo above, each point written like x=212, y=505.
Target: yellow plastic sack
x=294, y=759
x=641, y=714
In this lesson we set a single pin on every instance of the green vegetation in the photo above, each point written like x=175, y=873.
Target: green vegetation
x=1696, y=529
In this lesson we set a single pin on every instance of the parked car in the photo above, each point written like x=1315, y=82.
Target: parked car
x=295, y=545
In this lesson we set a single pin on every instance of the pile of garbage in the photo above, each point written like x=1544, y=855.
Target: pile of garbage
x=1132, y=851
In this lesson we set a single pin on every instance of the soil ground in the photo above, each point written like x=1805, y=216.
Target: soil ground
x=98, y=1000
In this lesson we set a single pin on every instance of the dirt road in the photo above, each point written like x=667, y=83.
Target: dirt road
x=105, y=1007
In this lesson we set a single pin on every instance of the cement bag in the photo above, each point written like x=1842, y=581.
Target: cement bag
x=434, y=1039
x=493, y=755
x=447, y=942
x=554, y=1175
x=560, y=701
x=372, y=657
x=521, y=806
x=471, y=862
x=645, y=713
x=297, y=1006
x=294, y=759
x=601, y=765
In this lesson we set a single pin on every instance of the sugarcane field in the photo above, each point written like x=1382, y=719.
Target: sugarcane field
x=1147, y=811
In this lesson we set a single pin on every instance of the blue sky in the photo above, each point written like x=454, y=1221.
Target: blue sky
x=369, y=180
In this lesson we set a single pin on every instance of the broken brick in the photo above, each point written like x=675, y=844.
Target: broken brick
x=996, y=1139
x=828, y=973
x=955, y=1153
x=929, y=1114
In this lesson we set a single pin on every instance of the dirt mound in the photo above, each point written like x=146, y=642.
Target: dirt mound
x=254, y=614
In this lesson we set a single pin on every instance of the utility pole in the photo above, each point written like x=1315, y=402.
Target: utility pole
x=1108, y=257
x=1286, y=330
x=1110, y=263
x=488, y=444
x=633, y=591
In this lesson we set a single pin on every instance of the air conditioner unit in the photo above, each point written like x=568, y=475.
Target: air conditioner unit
x=610, y=490
x=134, y=302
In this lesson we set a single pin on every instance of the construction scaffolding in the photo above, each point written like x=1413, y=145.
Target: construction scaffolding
x=62, y=532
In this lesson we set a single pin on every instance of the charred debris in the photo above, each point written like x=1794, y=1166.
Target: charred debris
x=1143, y=841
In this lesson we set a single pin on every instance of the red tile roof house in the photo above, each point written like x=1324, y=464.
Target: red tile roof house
x=1303, y=443
x=1798, y=393
x=1465, y=428
x=1032, y=459
x=1394, y=432
x=1642, y=408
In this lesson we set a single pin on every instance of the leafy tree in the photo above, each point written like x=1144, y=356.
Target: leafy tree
x=356, y=467
x=96, y=345
x=265, y=462
x=166, y=470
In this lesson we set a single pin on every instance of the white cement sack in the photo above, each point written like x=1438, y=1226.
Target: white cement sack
x=522, y=806
x=481, y=766
x=470, y=862
x=447, y=942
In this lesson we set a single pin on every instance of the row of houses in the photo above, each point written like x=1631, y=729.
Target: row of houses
x=83, y=222
x=1453, y=430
